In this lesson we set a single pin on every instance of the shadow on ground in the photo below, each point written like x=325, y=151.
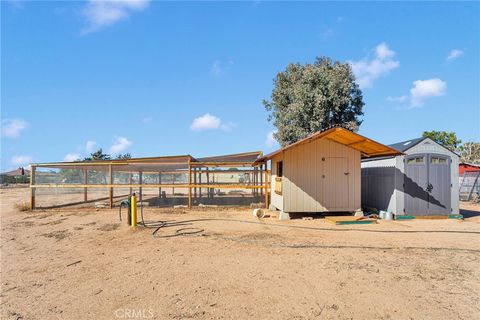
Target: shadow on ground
x=469, y=213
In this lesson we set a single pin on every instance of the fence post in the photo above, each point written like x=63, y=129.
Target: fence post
x=32, y=188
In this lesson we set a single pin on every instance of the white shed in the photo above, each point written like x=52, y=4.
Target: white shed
x=423, y=181
x=322, y=172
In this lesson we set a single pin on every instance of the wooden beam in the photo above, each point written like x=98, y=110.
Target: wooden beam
x=140, y=181
x=266, y=186
x=261, y=178
x=357, y=142
x=110, y=178
x=189, y=185
x=195, y=182
x=85, y=181
x=104, y=186
x=32, y=187
x=160, y=188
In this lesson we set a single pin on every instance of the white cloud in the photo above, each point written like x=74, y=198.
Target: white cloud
x=220, y=68
x=100, y=14
x=423, y=89
x=210, y=122
x=120, y=144
x=90, y=145
x=397, y=99
x=71, y=157
x=205, y=122
x=383, y=51
x=271, y=141
x=20, y=161
x=13, y=127
x=369, y=69
x=454, y=54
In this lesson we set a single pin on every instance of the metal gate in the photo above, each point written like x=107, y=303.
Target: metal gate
x=427, y=184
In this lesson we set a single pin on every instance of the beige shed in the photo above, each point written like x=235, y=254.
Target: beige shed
x=322, y=172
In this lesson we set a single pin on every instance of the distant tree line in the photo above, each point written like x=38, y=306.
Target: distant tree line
x=469, y=151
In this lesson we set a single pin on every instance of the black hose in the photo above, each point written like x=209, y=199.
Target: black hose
x=327, y=229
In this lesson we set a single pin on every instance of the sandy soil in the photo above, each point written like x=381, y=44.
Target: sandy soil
x=85, y=264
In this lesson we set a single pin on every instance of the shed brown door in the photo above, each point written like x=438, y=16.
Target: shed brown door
x=335, y=186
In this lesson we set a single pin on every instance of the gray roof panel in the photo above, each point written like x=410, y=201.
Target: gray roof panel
x=405, y=145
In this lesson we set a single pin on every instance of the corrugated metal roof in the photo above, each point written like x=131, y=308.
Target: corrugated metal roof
x=339, y=134
x=154, y=163
x=236, y=157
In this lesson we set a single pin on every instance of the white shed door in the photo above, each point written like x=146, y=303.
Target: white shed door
x=335, y=186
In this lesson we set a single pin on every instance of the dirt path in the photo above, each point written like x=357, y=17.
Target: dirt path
x=85, y=264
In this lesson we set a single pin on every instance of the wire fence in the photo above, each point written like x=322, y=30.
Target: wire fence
x=162, y=183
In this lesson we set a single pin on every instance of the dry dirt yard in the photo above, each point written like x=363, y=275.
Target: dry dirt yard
x=85, y=264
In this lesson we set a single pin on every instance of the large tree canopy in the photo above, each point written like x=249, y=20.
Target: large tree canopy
x=447, y=139
x=308, y=98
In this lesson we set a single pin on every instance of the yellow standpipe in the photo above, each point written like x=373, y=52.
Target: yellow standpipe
x=133, y=209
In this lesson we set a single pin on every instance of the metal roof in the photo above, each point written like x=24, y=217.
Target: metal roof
x=236, y=157
x=155, y=163
x=339, y=134
x=405, y=145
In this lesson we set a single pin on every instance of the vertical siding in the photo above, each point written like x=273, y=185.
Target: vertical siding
x=379, y=184
x=305, y=190
x=397, y=203
x=429, y=146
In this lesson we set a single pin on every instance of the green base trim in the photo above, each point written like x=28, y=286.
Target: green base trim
x=355, y=222
x=455, y=216
x=404, y=217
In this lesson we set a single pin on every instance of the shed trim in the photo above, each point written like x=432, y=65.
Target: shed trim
x=367, y=147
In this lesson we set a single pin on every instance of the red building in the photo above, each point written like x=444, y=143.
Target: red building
x=462, y=167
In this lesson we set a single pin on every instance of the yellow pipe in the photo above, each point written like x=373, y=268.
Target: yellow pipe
x=133, y=209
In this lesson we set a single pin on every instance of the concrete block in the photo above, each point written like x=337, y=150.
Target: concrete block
x=283, y=216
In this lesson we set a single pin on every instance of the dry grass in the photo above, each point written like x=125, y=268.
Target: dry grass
x=22, y=206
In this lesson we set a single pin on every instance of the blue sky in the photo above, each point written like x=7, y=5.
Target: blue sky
x=163, y=78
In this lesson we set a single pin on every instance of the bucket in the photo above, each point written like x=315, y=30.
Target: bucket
x=388, y=216
x=382, y=214
x=258, y=213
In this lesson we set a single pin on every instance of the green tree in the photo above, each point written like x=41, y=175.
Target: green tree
x=124, y=156
x=308, y=98
x=447, y=139
x=470, y=152
x=98, y=155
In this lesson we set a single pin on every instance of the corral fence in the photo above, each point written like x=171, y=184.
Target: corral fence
x=470, y=186
x=160, y=181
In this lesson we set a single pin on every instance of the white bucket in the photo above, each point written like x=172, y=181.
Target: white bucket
x=258, y=213
x=388, y=216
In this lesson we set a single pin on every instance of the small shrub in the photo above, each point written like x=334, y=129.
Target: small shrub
x=23, y=206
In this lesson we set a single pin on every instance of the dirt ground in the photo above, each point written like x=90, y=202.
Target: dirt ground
x=86, y=264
